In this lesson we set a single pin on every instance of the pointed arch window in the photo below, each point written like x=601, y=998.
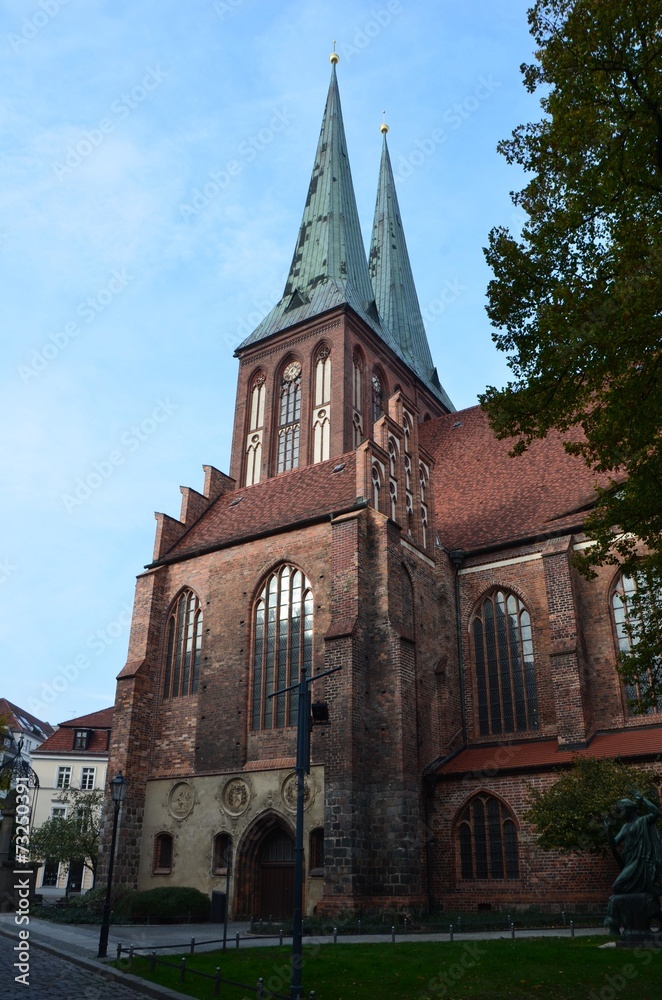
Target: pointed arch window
x=487, y=840
x=163, y=852
x=635, y=617
x=289, y=417
x=282, y=644
x=255, y=429
x=425, y=479
x=377, y=396
x=222, y=854
x=183, y=646
x=357, y=398
x=505, y=670
x=376, y=485
x=321, y=412
x=393, y=456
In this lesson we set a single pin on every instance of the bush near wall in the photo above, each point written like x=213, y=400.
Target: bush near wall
x=167, y=904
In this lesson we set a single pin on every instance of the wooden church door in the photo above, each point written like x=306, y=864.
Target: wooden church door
x=277, y=876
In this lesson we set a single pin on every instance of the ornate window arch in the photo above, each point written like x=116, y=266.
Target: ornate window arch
x=378, y=387
x=629, y=625
x=183, y=646
x=486, y=840
x=357, y=397
x=504, y=666
x=322, y=408
x=289, y=417
x=255, y=428
x=282, y=645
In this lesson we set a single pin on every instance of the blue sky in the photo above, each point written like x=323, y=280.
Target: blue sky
x=155, y=158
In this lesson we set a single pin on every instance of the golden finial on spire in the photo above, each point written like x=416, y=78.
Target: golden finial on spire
x=334, y=57
x=383, y=128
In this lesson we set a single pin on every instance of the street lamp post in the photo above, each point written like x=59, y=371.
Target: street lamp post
x=118, y=792
x=305, y=721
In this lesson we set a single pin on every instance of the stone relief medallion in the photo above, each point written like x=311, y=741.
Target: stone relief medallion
x=235, y=796
x=288, y=792
x=181, y=800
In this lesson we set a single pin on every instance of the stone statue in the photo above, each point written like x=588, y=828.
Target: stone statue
x=636, y=891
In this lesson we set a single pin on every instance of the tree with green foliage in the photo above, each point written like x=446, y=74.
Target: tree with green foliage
x=569, y=815
x=576, y=298
x=74, y=837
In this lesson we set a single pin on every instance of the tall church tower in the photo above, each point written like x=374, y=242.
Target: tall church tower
x=318, y=371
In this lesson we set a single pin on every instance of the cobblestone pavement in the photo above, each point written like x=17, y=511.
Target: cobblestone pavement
x=53, y=978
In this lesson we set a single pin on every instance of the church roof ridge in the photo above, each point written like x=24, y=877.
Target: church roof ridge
x=393, y=281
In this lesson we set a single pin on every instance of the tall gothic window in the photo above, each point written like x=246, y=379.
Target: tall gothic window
x=255, y=430
x=425, y=479
x=393, y=476
x=290, y=415
x=184, y=644
x=321, y=412
x=488, y=840
x=357, y=398
x=376, y=485
x=377, y=396
x=630, y=626
x=282, y=644
x=505, y=672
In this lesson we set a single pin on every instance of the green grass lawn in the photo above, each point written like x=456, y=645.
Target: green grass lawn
x=543, y=968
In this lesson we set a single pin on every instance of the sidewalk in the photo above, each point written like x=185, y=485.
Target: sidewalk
x=82, y=940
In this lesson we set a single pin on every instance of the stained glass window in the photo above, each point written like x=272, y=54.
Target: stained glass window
x=487, y=839
x=629, y=624
x=183, y=646
x=290, y=415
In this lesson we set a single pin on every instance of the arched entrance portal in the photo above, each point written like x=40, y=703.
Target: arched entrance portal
x=264, y=879
x=276, y=876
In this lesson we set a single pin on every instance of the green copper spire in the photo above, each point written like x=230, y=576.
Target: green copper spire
x=329, y=267
x=393, y=282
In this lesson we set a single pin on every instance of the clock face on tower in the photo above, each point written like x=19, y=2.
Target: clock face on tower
x=292, y=371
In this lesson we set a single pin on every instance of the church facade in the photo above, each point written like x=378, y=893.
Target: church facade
x=367, y=525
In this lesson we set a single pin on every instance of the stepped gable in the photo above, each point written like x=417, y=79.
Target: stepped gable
x=273, y=505
x=484, y=497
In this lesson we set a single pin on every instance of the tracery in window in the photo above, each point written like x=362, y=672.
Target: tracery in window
x=393, y=476
x=282, y=644
x=377, y=396
x=255, y=430
x=425, y=478
x=184, y=646
x=630, y=626
x=376, y=485
x=290, y=415
x=505, y=671
x=487, y=837
x=321, y=412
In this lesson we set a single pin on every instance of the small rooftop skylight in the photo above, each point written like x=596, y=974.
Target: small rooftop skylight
x=233, y=503
x=338, y=468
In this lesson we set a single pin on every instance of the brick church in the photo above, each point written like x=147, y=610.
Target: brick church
x=366, y=524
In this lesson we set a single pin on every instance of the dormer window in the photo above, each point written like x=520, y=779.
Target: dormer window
x=81, y=739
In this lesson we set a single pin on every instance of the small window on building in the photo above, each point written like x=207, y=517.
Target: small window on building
x=87, y=777
x=63, y=779
x=81, y=739
x=163, y=844
x=59, y=812
x=316, y=853
x=51, y=873
x=222, y=859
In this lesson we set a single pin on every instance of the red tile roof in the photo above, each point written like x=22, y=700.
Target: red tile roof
x=277, y=503
x=62, y=740
x=483, y=497
x=16, y=718
x=487, y=760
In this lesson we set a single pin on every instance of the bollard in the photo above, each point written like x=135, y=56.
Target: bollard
x=563, y=917
x=335, y=935
x=459, y=924
x=572, y=928
x=359, y=926
x=217, y=981
x=131, y=953
x=450, y=932
x=119, y=951
x=512, y=931
x=237, y=940
x=182, y=971
x=405, y=925
x=312, y=995
x=281, y=937
x=192, y=946
x=392, y=934
x=260, y=925
x=260, y=988
x=152, y=962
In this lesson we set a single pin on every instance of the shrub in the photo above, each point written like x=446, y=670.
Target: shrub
x=166, y=904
